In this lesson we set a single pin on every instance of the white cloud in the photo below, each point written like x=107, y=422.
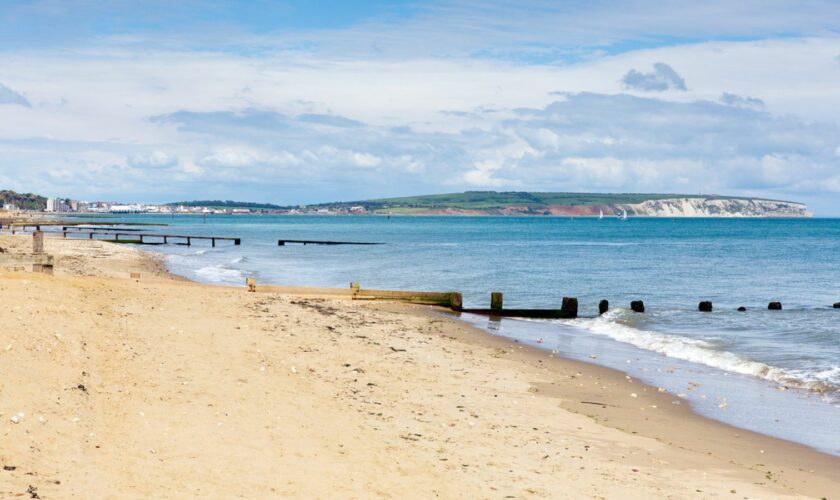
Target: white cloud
x=153, y=160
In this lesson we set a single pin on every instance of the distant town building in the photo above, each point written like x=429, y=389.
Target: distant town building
x=126, y=209
x=57, y=205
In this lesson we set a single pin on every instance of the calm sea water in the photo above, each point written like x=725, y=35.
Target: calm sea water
x=776, y=372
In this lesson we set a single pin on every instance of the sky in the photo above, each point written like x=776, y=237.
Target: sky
x=295, y=102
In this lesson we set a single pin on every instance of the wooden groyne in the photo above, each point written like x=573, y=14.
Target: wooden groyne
x=325, y=242
x=95, y=228
x=454, y=300
x=38, y=261
x=142, y=238
x=567, y=310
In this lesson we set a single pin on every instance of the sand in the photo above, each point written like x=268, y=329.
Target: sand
x=112, y=387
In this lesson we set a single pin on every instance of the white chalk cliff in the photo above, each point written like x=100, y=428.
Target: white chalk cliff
x=717, y=207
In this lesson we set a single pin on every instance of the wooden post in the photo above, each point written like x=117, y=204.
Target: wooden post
x=252, y=284
x=705, y=306
x=603, y=306
x=90, y=236
x=774, y=306
x=141, y=239
x=281, y=243
x=213, y=241
x=165, y=240
x=569, y=308
x=38, y=242
x=189, y=242
x=637, y=306
x=496, y=301
x=237, y=241
x=456, y=301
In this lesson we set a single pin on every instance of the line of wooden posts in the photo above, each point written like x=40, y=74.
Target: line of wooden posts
x=454, y=301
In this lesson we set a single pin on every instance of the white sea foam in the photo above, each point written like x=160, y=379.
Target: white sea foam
x=239, y=260
x=705, y=353
x=220, y=274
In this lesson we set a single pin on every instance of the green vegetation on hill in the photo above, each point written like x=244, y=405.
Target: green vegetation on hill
x=478, y=200
x=537, y=203
x=493, y=200
x=225, y=204
x=24, y=201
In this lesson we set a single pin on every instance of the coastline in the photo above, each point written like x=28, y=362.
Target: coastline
x=542, y=437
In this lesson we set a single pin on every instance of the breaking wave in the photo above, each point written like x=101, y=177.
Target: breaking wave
x=702, y=352
x=220, y=274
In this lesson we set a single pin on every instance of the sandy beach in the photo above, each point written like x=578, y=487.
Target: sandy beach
x=112, y=387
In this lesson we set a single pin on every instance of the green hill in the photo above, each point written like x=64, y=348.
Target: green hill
x=583, y=204
x=482, y=200
x=24, y=201
x=224, y=204
x=493, y=200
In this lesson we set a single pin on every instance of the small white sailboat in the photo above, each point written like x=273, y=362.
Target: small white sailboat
x=601, y=215
x=623, y=214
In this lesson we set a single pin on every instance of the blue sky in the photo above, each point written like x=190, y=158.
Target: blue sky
x=295, y=102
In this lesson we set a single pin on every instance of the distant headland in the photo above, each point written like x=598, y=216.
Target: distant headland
x=573, y=204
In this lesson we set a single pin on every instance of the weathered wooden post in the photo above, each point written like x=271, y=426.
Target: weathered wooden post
x=603, y=306
x=774, y=306
x=38, y=242
x=496, y=301
x=456, y=301
x=705, y=306
x=354, y=288
x=569, y=307
x=637, y=306
x=252, y=284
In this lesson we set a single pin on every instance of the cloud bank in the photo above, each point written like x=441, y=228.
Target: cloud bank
x=447, y=96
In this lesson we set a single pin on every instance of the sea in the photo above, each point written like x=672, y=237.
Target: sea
x=773, y=372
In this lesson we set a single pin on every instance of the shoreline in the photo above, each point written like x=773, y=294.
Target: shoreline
x=666, y=438
x=721, y=438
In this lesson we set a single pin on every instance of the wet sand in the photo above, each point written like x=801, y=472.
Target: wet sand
x=112, y=387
